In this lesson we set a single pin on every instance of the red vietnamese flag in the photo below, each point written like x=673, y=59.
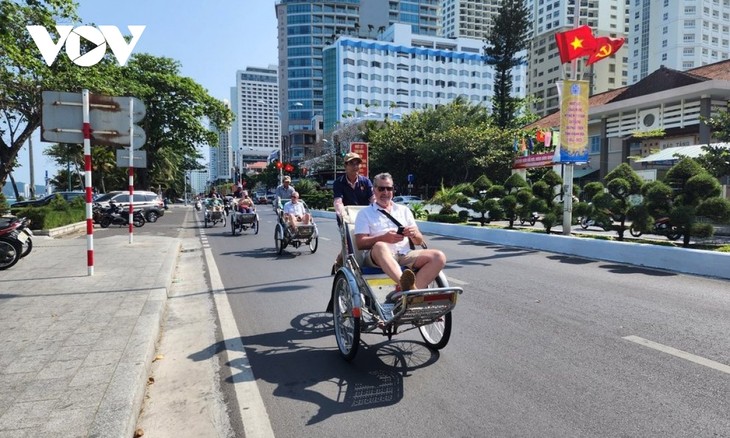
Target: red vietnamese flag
x=605, y=47
x=575, y=43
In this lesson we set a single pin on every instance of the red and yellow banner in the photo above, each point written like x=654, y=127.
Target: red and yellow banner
x=574, y=122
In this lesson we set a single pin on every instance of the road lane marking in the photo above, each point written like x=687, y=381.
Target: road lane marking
x=455, y=281
x=680, y=354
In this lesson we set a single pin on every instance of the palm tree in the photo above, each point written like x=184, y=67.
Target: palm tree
x=448, y=197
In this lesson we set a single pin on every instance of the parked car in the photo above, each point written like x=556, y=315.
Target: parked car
x=407, y=200
x=150, y=202
x=260, y=198
x=68, y=196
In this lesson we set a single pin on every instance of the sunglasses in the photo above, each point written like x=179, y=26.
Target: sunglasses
x=384, y=188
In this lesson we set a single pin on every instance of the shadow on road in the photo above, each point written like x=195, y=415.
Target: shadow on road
x=319, y=376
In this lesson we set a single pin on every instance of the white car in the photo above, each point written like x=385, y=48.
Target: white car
x=407, y=200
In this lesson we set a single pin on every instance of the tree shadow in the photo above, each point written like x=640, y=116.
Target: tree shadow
x=301, y=371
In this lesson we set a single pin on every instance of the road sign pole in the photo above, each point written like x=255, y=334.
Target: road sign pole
x=131, y=170
x=87, y=178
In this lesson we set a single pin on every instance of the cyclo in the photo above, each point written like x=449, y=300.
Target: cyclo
x=358, y=300
x=241, y=221
x=284, y=236
x=214, y=212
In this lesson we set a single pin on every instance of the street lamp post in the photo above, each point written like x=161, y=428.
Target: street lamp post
x=278, y=137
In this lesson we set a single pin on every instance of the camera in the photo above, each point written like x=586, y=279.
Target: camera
x=400, y=230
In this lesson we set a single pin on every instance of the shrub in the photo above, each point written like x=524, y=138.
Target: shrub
x=445, y=218
x=4, y=207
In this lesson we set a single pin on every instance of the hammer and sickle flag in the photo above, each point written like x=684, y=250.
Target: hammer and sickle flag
x=605, y=47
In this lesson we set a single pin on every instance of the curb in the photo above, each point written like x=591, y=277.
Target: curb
x=685, y=260
x=62, y=231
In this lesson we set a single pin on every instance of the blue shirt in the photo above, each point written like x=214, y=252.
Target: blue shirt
x=359, y=195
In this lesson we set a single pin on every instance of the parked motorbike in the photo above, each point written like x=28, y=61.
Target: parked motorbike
x=114, y=215
x=587, y=222
x=16, y=241
x=662, y=227
x=534, y=216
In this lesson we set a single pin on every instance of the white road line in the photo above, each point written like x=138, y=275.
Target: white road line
x=253, y=413
x=679, y=353
x=455, y=281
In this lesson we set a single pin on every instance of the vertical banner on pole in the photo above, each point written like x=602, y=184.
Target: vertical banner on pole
x=574, y=122
x=86, y=130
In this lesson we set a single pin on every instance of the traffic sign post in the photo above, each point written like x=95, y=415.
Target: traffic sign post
x=93, y=119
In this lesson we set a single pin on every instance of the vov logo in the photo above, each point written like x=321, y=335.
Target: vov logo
x=71, y=37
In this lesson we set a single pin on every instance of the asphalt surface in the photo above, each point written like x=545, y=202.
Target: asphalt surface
x=76, y=349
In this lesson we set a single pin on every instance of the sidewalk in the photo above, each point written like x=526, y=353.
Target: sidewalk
x=75, y=350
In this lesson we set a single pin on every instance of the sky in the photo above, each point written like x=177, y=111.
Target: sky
x=211, y=40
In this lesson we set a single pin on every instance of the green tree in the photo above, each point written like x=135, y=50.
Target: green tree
x=613, y=204
x=508, y=36
x=687, y=192
x=450, y=143
x=516, y=199
x=447, y=197
x=546, y=192
x=24, y=74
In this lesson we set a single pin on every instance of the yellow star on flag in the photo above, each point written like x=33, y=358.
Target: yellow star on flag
x=577, y=43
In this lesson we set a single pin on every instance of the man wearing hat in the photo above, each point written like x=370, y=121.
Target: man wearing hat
x=283, y=191
x=351, y=189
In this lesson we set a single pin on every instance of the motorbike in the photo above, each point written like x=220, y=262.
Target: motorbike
x=16, y=240
x=662, y=227
x=198, y=205
x=531, y=219
x=114, y=215
x=587, y=222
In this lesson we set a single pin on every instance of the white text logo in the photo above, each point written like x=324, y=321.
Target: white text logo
x=72, y=38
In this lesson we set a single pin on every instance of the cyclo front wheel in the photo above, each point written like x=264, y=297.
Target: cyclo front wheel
x=437, y=334
x=346, y=318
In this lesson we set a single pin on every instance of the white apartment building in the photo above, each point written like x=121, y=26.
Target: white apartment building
x=405, y=72
x=678, y=34
x=255, y=102
x=606, y=18
x=468, y=18
x=221, y=157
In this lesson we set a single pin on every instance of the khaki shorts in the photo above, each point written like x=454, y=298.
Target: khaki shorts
x=407, y=260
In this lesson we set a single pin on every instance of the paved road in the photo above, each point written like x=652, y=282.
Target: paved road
x=543, y=345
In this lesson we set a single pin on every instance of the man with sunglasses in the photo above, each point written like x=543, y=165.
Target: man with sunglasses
x=387, y=233
x=351, y=189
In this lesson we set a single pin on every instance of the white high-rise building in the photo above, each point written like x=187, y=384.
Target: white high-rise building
x=468, y=18
x=605, y=18
x=255, y=102
x=405, y=72
x=678, y=34
x=221, y=157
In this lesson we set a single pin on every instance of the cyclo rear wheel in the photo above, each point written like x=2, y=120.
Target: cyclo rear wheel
x=346, y=319
x=437, y=334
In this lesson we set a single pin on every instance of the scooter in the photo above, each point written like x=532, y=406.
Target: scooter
x=662, y=227
x=198, y=205
x=15, y=241
x=532, y=219
x=586, y=222
x=117, y=216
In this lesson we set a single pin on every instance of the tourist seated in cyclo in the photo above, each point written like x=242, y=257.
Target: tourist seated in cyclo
x=245, y=204
x=295, y=214
x=387, y=234
x=213, y=202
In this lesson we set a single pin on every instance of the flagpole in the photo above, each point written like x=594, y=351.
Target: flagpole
x=568, y=167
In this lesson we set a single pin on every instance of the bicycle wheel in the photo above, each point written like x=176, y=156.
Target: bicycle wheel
x=279, y=239
x=256, y=227
x=313, y=244
x=437, y=334
x=224, y=221
x=346, y=319
x=233, y=227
